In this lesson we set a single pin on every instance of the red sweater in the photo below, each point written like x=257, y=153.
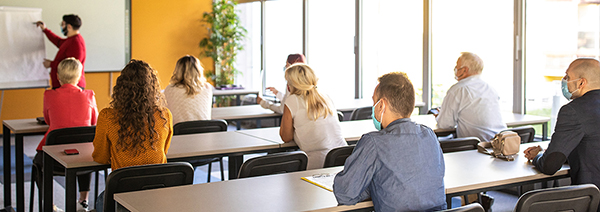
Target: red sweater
x=68, y=106
x=70, y=47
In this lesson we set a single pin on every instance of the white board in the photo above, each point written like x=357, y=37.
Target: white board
x=22, y=49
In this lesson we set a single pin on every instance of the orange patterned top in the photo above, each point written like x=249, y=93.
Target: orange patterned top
x=105, y=146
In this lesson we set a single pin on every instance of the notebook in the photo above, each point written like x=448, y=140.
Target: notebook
x=322, y=180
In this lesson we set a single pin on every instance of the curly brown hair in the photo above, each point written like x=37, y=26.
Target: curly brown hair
x=136, y=98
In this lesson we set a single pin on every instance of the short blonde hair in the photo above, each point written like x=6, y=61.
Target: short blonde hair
x=303, y=82
x=474, y=62
x=69, y=71
x=189, y=74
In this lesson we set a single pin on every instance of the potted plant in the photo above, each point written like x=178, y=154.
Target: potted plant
x=223, y=42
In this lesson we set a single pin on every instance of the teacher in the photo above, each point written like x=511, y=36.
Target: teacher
x=72, y=46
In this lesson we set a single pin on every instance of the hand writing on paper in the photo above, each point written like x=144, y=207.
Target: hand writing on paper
x=531, y=152
x=47, y=63
x=272, y=89
x=40, y=24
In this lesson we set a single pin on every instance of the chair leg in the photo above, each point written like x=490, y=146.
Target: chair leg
x=209, y=170
x=32, y=190
x=96, y=187
x=222, y=172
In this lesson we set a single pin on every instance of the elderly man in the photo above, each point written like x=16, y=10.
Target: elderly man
x=576, y=137
x=471, y=105
x=400, y=167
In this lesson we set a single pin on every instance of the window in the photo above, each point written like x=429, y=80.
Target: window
x=392, y=41
x=557, y=33
x=481, y=27
x=248, y=60
x=331, y=29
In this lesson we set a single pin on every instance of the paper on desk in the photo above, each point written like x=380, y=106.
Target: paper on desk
x=323, y=180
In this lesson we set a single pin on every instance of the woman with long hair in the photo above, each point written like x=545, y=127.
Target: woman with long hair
x=309, y=117
x=137, y=127
x=189, y=96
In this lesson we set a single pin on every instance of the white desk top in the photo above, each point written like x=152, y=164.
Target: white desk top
x=25, y=126
x=242, y=112
x=181, y=146
x=467, y=170
x=233, y=92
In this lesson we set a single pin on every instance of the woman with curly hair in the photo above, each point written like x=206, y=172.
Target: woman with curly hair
x=137, y=127
x=189, y=96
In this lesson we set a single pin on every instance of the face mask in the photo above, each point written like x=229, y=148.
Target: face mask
x=375, y=122
x=64, y=31
x=455, y=76
x=565, y=88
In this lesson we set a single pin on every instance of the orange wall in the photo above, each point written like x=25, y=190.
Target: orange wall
x=162, y=31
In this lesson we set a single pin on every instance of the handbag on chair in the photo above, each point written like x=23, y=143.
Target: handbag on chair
x=505, y=145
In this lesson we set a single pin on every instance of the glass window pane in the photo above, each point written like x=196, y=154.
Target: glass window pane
x=552, y=43
x=392, y=41
x=283, y=36
x=331, y=45
x=248, y=60
x=483, y=27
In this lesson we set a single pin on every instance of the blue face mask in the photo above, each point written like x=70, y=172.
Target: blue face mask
x=375, y=122
x=565, y=88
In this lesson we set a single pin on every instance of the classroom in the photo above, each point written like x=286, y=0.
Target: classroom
x=526, y=47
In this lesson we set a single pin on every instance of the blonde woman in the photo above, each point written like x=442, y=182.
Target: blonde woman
x=189, y=96
x=309, y=117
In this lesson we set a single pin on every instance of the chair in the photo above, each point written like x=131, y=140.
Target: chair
x=337, y=156
x=568, y=198
x=361, y=113
x=459, y=144
x=144, y=177
x=202, y=126
x=63, y=136
x=340, y=116
x=276, y=163
x=473, y=207
x=527, y=133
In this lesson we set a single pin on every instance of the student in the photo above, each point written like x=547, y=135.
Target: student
x=400, y=166
x=309, y=117
x=471, y=105
x=137, y=127
x=72, y=46
x=278, y=108
x=69, y=106
x=576, y=136
x=189, y=96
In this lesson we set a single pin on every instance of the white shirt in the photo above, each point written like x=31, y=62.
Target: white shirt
x=473, y=107
x=277, y=108
x=316, y=137
x=189, y=108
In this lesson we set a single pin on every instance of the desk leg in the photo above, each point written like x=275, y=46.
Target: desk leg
x=235, y=163
x=7, y=189
x=20, y=172
x=545, y=131
x=238, y=100
x=449, y=201
x=71, y=186
x=48, y=178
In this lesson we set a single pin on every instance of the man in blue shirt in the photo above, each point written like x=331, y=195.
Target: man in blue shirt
x=401, y=166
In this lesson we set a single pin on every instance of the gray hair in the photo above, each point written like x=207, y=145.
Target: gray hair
x=472, y=61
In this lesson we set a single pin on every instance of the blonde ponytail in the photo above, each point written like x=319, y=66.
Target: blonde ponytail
x=303, y=82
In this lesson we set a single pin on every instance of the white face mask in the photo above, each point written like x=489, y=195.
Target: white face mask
x=455, y=76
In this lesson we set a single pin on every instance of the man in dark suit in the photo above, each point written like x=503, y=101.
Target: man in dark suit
x=576, y=137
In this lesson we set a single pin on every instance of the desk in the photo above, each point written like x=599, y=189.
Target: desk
x=246, y=112
x=294, y=194
x=20, y=128
x=183, y=147
x=348, y=105
x=515, y=120
x=234, y=92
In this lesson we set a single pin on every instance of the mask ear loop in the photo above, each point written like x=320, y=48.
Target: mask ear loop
x=382, y=111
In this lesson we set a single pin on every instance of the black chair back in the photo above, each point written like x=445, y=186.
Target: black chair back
x=136, y=178
x=199, y=126
x=277, y=163
x=337, y=156
x=527, y=133
x=459, y=144
x=71, y=135
x=361, y=113
x=340, y=116
x=568, y=198
x=473, y=207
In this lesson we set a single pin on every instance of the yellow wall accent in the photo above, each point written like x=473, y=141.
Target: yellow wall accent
x=161, y=32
